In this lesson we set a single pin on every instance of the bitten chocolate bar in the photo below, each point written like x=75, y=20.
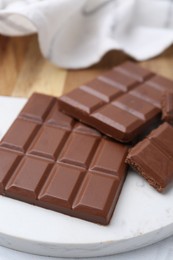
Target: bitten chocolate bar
x=50, y=160
x=121, y=103
x=153, y=157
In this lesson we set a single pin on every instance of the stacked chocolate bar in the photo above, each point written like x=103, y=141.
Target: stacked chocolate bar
x=50, y=159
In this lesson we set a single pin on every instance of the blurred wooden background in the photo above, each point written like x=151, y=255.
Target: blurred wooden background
x=23, y=69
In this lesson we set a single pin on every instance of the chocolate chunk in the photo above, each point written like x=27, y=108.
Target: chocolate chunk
x=153, y=157
x=50, y=160
x=20, y=135
x=121, y=103
x=38, y=109
x=167, y=107
x=27, y=179
x=8, y=162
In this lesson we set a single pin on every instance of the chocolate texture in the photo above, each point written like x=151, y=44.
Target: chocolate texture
x=153, y=157
x=121, y=103
x=50, y=160
x=167, y=107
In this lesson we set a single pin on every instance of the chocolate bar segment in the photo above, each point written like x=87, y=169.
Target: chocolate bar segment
x=160, y=83
x=97, y=194
x=76, y=154
x=48, y=148
x=136, y=106
x=149, y=94
x=8, y=162
x=50, y=160
x=27, y=179
x=111, y=117
x=118, y=80
x=103, y=160
x=118, y=113
x=20, y=135
x=162, y=136
x=60, y=188
x=134, y=71
x=153, y=157
x=102, y=90
x=57, y=119
x=167, y=107
x=84, y=101
x=38, y=107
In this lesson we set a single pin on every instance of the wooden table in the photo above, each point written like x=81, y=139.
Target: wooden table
x=23, y=69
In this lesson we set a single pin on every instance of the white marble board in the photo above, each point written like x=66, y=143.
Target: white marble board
x=142, y=217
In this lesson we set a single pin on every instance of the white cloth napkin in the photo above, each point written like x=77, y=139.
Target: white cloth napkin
x=77, y=33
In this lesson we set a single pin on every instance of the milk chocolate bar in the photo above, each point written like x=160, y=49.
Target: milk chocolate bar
x=167, y=107
x=50, y=160
x=121, y=103
x=153, y=157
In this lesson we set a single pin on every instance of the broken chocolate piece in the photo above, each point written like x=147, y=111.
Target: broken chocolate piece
x=153, y=157
x=122, y=103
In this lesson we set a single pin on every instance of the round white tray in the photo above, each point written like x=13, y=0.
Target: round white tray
x=142, y=217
